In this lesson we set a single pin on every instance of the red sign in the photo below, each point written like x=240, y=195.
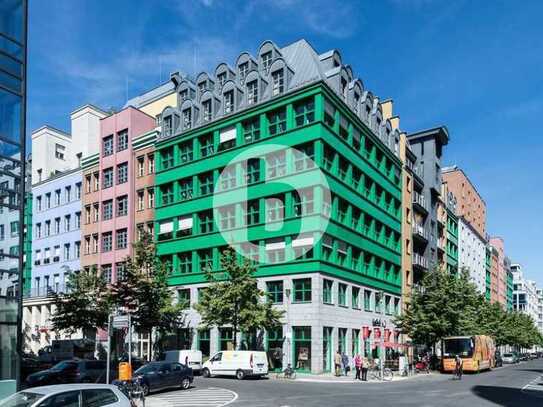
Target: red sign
x=366, y=332
x=377, y=334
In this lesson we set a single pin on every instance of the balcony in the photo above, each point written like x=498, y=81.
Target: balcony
x=421, y=232
x=420, y=261
x=419, y=202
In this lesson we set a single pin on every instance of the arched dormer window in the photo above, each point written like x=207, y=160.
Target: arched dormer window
x=367, y=106
x=210, y=106
x=244, y=64
x=231, y=96
x=170, y=121
x=189, y=115
x=185, y=91
x=253, y=88
x=204, y=83
x=355, y=95
x=223, y=73
x=280, y=76
x=376, y=118
x=267, y=54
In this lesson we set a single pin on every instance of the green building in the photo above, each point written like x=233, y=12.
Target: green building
x=27, y=244
x=488, y=269
x=334, y=289
x=509, y=283
x=452, y=234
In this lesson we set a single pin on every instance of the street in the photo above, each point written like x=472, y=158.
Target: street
x=510, y=386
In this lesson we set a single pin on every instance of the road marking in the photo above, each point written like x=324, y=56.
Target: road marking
x=535, y=387
x=210, y=397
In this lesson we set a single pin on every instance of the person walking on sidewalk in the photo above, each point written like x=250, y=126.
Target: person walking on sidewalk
x=337, y=363
x=345, y=363
x=358, y=366
x=365, y=367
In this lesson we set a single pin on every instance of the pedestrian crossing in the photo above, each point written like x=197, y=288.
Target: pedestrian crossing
x=535, y=387
x=209, y=397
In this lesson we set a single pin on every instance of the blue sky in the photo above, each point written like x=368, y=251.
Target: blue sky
x=474, y=66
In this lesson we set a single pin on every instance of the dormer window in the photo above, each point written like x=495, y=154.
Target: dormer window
x=187, y=119
x=221, y=78
x=252, y=92
x=278, y=82
x=184, y=94
x=243, y=71
x=202, y=87
x=229, y=102
x=167, y=125
x=266, y=61
x=356, y=101
x=344, y=88
x=207, y=110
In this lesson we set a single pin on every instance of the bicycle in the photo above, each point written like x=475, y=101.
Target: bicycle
x=375, y=373
x=134, y=390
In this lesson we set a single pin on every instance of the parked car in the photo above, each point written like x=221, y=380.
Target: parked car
x=240, y=364
x=498, y=359
x=532, y=355
x=162, y=375
x=70, y=371
x=509, y=358
x=190, y=358
x=68, y=395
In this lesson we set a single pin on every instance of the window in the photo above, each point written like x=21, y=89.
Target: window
x=227, y=217
x=252, y=92
x=266, y=62
x=187, y=119
x=122, y=140
x=151, y=163
x=303, y=202
x=48, y=200
x=106, y=272
x=227, y=138
x=302, y=290
x=229, y=102
x=205, y=259
x=3, y=232
x=87, y=214
x=95, y=243
x=183, y=297
x=327, y=291
x=251, y=130
x=275, y=291
x=275, y=209
x=122, y=173
x=167, y=157
x=243, y=71
x=121, y=238
x=206, y=221
x=107, y=240
x=14, y=227
x=67, y=251
x=278, y=82
x=207, y=110
x=96, y=212
x=167, y=194
x=304, y=112
x=253, y=170
x=38, y=203
x=367, y=300
x=277, y=122
x=57, y=197
x=59, y=151
x=150, y=198
x=141, y=166
x=221, y=78
x=107, y=209
x=57, y=226
x=77, y=250
x=185, y=262
x=253, y=212
x=47, y=228
x=122, y=205
x=228, y=178
x=185, y=152
x=206, y=183
x=108, y=145
x=141, y=199
x=329, y=114
x=88, y=185
x=108, y=177
x=67, y=222
x=98, y=397
x=355, y=297
x=66, y=399
x=276, y=164
x=96, y=177
x=67, y=194
x=275, y=250
x=206, y=145
x=342, y=295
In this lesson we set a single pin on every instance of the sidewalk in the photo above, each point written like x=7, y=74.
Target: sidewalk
x=330, y=378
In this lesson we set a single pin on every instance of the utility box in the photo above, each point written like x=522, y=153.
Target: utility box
x=125, y=371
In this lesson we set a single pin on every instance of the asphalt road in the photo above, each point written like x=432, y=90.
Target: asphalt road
x=511, y=386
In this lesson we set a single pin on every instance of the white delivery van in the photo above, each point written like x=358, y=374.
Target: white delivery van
x=190, y=358
x=240, y=364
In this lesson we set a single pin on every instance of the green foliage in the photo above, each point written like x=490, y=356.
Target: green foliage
x=143, y=291
x=233, y=298
x=448, y=305
x=85, y=306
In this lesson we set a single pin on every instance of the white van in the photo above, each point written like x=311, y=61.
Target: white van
x=190, y=358
x=240, y=364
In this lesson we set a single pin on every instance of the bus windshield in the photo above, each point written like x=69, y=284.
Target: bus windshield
x=458, y=346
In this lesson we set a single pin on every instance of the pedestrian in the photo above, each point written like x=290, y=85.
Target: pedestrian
x=358, y=366
x=337, y=363
x=345, y=363
x=365, y=367
x=458, y=367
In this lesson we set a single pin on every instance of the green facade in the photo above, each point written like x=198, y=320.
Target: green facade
x=509, y=290
x=363, y=176
x=27, y=244
x=488, y=268
x=452, y=242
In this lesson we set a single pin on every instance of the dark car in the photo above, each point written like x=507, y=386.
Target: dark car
x=499, y=359
x=162, y=375
x=70, y=371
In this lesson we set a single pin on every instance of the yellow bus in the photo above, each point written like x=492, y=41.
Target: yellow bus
x=477, y=353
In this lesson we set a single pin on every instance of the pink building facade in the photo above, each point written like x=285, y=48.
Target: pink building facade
x=501, y=282
x=115, y=203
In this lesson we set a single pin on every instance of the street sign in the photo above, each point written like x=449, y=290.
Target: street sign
x=120, y=321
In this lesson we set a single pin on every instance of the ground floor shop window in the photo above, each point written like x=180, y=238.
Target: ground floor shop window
x=342, y=340
x=355, y=342
x=275, y=348
x=180, y=339
x=327, y=349
x=226, y=339
x=204, y=342
x=302, y=347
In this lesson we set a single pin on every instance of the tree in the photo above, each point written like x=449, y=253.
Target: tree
x=234, y=299
x=85, y=305
x=142, y=291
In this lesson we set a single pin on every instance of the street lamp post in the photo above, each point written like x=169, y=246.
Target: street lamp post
x=288, y=334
